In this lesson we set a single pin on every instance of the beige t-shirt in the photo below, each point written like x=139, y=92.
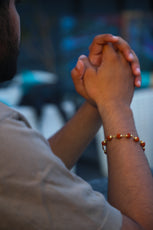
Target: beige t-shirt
x=37, y=191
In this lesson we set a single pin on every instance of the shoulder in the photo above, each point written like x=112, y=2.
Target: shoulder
x=17, y=138
x=11, y=114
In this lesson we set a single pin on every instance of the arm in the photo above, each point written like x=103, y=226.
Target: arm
x=72, y=139
x=130, y=189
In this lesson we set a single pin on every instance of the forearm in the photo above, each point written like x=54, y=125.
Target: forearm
x=70, y=142
x=130, y=181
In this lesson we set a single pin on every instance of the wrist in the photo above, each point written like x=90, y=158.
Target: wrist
x=117, y=118
x=92, y=109
x=107, y=109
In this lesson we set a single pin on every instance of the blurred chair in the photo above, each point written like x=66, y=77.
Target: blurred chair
x=51, y=120
x=142, y=107
x=10, y=95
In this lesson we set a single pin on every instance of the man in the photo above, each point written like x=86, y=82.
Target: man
x=37, y=190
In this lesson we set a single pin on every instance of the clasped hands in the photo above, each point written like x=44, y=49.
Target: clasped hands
x=109, y=74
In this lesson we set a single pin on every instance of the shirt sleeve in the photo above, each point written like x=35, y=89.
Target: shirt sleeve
x=37, y=191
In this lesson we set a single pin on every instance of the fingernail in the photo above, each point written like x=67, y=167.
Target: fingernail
x=137, y=71
x=131, y=56
x=115, y=37
x=138, y=83
x=80, y=67
x=82, y=56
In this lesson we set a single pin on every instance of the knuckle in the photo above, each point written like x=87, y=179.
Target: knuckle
x=73, y=73
x=119, y=37
x=95, y=41
x=95, y=38
x=135, y=57
x=121, y=41
x=103, y=37
x=107, y=36
x=90, y=47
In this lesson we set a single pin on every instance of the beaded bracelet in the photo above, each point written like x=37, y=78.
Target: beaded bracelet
x=119, y=136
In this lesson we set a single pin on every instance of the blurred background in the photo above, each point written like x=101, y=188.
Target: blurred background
x=54, y=34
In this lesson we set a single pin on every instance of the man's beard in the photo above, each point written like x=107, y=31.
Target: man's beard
x=8, y=64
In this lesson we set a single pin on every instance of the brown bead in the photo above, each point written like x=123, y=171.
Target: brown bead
x=142, y=143
x=109, y=138
x=119, y=136
x=104, y=143
x=136, y=139
x=128, y=135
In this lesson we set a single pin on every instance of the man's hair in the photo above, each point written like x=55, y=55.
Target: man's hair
x=4, y=3
x=8, y=44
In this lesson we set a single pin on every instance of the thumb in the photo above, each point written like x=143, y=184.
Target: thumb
x=86, y=62
x=80, y=68
x=109, y=52
x=78, y=73
x=109, y=55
